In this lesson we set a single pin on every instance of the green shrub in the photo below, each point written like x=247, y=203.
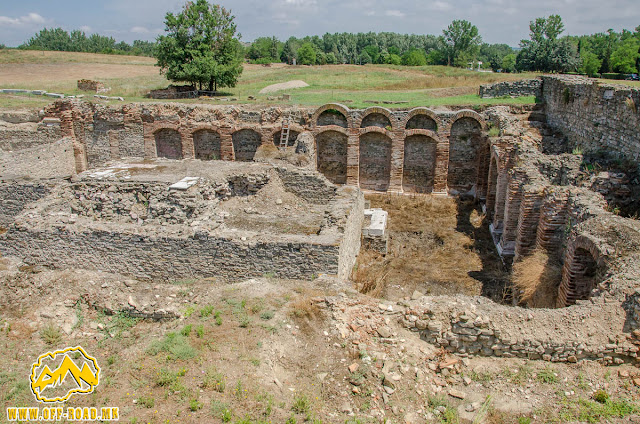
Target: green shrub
x=51, y=334
x=301, y=404
x=195, y=405
x=613, y=76
x=267, y=315
x=176, y=345
x=601, y=396
x=214, y=380
x=186, y=331
x=200, y=331
x=206, y=311
x=146, y=401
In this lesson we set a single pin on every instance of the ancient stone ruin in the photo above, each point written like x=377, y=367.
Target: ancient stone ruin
x=168, y=190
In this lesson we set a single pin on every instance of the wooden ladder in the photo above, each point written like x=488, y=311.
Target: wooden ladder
x=286, y=124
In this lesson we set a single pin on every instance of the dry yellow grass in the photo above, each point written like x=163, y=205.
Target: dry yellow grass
x=437, y=245
x=536, y=279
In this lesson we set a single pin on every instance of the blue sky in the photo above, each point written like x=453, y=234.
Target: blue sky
x=498, y=20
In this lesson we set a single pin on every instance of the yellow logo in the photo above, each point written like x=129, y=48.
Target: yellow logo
x=49, y=382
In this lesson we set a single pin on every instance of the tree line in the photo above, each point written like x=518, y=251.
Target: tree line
x=203, y=35
x=461, y=45
x=57, y=39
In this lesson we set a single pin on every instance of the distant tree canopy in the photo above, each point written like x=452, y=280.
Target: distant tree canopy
x=195, y=60
x=201, y=46
x=57, y=39
x=462, y=41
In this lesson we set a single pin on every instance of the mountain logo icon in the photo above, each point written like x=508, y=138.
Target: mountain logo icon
x=58, y=375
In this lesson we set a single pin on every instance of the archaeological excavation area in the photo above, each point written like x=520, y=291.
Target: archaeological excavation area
x=160, y=192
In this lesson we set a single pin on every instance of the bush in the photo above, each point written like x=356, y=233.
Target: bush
x=51, y=335
x=613, y=76
x=414, y=57
x=601, y=396
x=176, y=345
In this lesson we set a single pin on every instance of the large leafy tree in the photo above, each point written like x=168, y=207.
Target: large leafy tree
x=624, y=58
x=200, y=46
x=544, y=51
x=462, y=40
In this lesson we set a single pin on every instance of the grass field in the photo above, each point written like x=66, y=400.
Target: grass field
x=132, y=77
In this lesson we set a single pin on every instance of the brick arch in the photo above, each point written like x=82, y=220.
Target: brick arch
x=375, y=160
x=419, y=161
x=336, y=106
x=377, y=110
x=245, y=150
x=293, y=128
x=379, y=130
x=331, y=154
x=206, y=143
x=467, y=113
x=467, y=139
x=168, y=142
x=421, y=111
x=334, y=128
x=426, y=133
x=584, y=268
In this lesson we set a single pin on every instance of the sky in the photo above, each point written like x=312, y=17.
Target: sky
x=499, y=21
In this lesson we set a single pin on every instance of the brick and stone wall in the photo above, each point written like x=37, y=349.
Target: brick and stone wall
x=520, y=88
x=143, y=229
x=594, y=116
x=16, y=195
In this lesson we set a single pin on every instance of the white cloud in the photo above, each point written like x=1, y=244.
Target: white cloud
x=395, y=13
x=440, y=6
x=140, y=30
x=301, y=2
x=30, y=19
x=86, y=28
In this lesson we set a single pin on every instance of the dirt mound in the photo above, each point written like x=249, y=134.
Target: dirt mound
x=283, y=86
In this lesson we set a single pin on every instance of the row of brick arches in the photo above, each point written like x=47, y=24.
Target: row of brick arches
x=207, y=144
x=464, y=155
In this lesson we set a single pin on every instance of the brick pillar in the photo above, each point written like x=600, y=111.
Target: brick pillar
x=114, y=144
x=492, y=188
x=442, y=163
x=397, y=161
x=226, y=144
x=528, y=221
x=149, y=141
x=501, y=195
x=188, y=150
x=512, y=214
x=483, y=169
x=353, y=157
x=79, y=150
x=553, y=219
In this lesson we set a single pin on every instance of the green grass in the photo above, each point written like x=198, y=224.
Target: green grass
x=593, y=412
x=175, y=345
x=51, y=334
x=356, y=86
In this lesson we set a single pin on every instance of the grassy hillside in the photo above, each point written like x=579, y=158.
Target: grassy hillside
x=132, y=77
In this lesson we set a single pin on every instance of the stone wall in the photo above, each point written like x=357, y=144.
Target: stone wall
x=16, y=195
x=594, y=116
x=134, y=224
x=476, y=326
x=169, y=256
x=90, y=85
x=520, y=88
